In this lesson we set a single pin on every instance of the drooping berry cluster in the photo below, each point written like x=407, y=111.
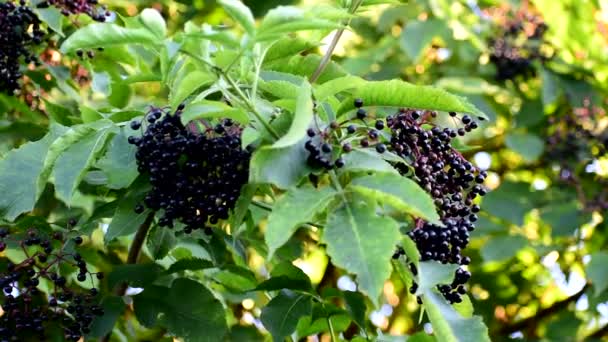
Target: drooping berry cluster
x=518, y=45
x=28, y=312
x=196, y=176
x=449, y=178
x=320, y=146
x=19, y=34
x=70, y=7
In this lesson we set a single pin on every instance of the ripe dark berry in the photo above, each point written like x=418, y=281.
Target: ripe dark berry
x=358, y=103
x=310, y=132
x=99, y=275
x=466, y=119
x=139, y=209
x=135, y=125
x=364, y=142
x=361, y=114
x=347, y=147
x=196, y=177
x=78, y=240
x=351, y=129
x=326, y=148
x=381, y=148
x=379, y=125
x=339, y=163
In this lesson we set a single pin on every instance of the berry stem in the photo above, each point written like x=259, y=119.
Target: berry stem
x=332, y=46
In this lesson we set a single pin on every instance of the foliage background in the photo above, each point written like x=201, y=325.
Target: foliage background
x=539, y=256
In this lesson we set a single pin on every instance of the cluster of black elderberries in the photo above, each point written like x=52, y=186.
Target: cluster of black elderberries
x=320, y=145
x=88, y=7
x=28, y=313
x=517, y=46
x=449, y=178
x=196, y=175
x=20, y=32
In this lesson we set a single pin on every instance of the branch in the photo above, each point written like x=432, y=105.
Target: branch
x=134, y=251
x=332, y=46
x=546, y=312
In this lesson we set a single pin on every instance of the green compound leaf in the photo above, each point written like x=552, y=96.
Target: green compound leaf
x=348, y=235
x=449, y=325
x=192, y=312
x=154, y=22
x=119, y=164
x=281, y=315
x=125, y=221
x=189, y=84
x=105, y=35
x=283, y=167
x=190, y=264
x=160, y=241
x=286, y=276
x=20, y=174
x=301, y=121
x=399, y=192
x=397, y=93
x=432, y=273
x=73, y=164
x=240, y=13
x=296, y=207
x=212, y=109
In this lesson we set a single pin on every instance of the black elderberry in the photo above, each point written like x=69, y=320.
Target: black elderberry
x=26, y=317
x=361, y=113
x=347, y=147
x=78, y=240
x=381, y=148
x=351, y=129
x=17, y=41
x=209, y=168
x=449, y=179
x=358, y=103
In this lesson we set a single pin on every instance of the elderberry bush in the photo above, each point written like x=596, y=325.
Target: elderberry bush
x=196, y=175
x=28, y=312
x=517, y=46
x=20, y=33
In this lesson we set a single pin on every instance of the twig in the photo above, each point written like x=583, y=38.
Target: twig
x=332, y=46
x=134, y=251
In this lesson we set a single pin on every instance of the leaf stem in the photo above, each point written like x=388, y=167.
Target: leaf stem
x=332, y=46
x=332, y=332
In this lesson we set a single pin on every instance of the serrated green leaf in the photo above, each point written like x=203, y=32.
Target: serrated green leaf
x=449, y=325
x=20, y=170
x=417, y=35
x=113, y=307
x=398, y=191
x=212, y=109
x=286, y=276
x=190, y=264
x=305, y=66
x=283, y=167
x=200, y=318
x=187, y=85
x=160, y=241
x=119, y=164
x=281, y=315
x=433, y=273
x=355, y=305
x=241, y=14
x=105, y=35
x=302, y=118
x=154, y=22
x=125, y=221
x=359, y=160
x=280, y=89
x=73, y=163
x=52, y=17
x=294, y=208
x=348, y=244
x=235, y=278
x=396, y=93
x=138, y=275
x=336, y=86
